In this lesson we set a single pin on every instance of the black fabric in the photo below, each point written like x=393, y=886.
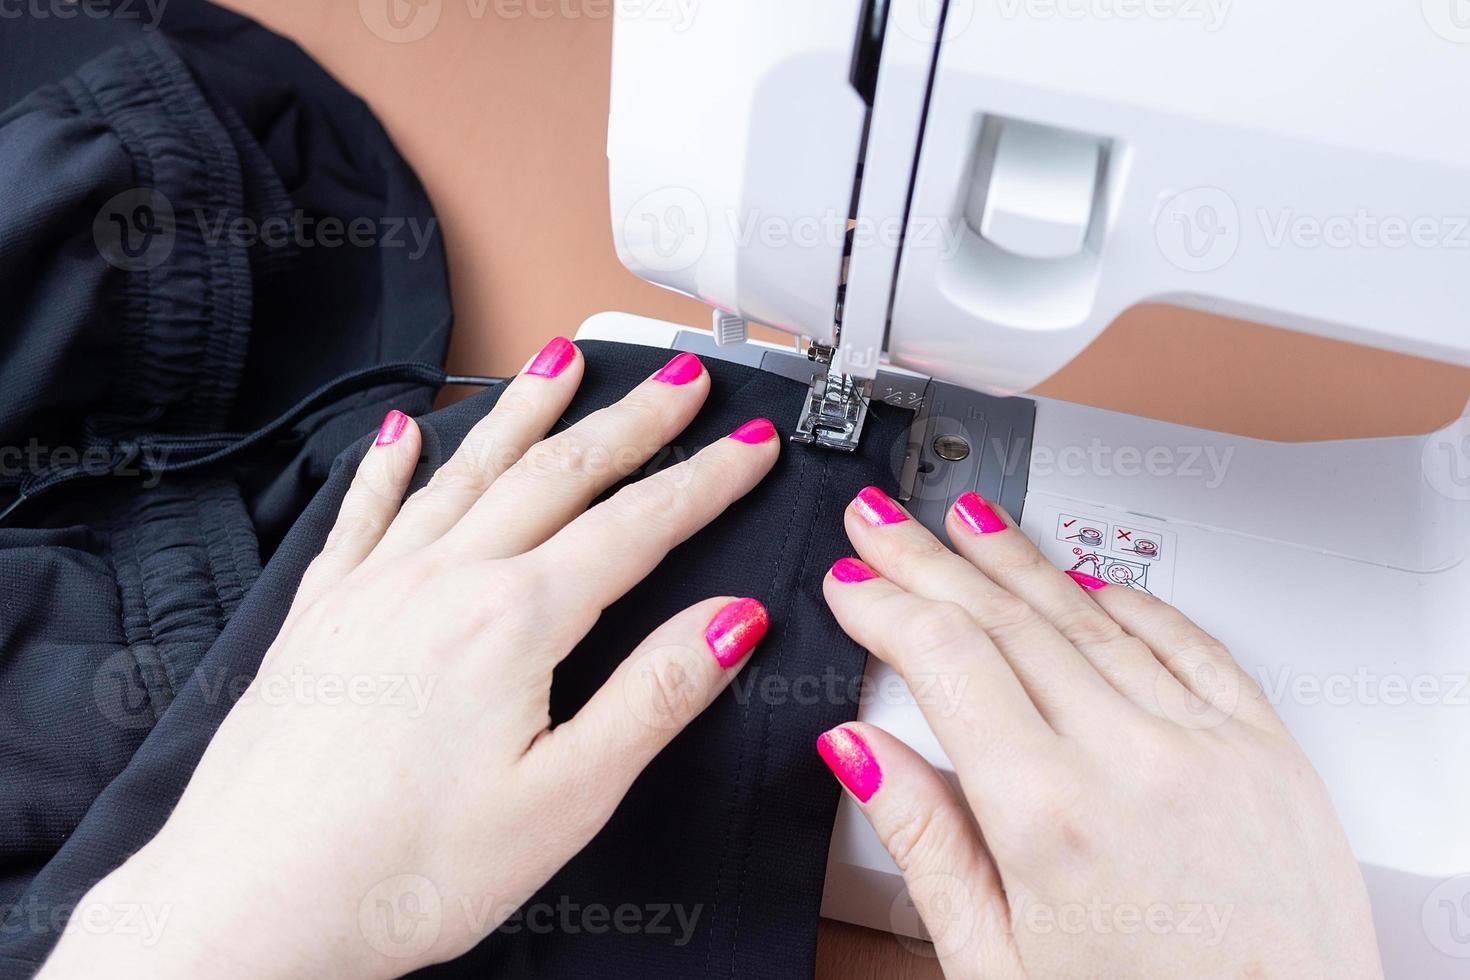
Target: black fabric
x=113, y=588
x=135, y=605
x=731, y=823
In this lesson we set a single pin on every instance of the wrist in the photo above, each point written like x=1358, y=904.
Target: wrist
x=165, y=912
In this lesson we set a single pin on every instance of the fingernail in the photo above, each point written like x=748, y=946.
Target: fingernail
x=977, y=515
x=1088, y=582
x=851, y=761
x=754, y=432
x=736, y=630
x=553, y=359
x=392, y=428
x=852, y=570
x=877, y=508
x=680, y=371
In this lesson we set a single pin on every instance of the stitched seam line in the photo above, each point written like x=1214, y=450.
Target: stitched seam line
x=770, y=712
x=725, y=847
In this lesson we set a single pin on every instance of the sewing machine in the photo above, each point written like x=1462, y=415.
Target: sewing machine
x=946, y=201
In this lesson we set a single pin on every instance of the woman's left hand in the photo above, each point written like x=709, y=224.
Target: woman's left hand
x=390, y=788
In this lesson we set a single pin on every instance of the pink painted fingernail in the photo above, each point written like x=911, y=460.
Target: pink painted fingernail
x=850, y=570
x=736, y=630
x=1088, y=582
x=851, y=761
x=680, y=371
x=392, y=428
x=977, y=515
x=754, y=432
x=877, y=508
x=553, y=359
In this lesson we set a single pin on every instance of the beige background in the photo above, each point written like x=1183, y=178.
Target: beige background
x=502, y=110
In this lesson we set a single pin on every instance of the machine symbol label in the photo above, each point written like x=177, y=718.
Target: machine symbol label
x=1125, y=555
x=1139, y=543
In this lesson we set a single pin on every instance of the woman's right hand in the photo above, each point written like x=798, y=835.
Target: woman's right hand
x=1130, y=805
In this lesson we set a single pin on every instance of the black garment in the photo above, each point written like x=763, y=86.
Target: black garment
x=133, y=608
x=112, y=589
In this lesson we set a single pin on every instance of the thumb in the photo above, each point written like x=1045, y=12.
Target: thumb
x=935, y=842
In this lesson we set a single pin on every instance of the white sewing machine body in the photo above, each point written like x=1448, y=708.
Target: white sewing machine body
x=987, y=199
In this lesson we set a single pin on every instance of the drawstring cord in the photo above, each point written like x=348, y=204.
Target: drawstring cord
x=179, y=454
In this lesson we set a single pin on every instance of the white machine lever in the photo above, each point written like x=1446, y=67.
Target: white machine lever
x=1038, y=203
